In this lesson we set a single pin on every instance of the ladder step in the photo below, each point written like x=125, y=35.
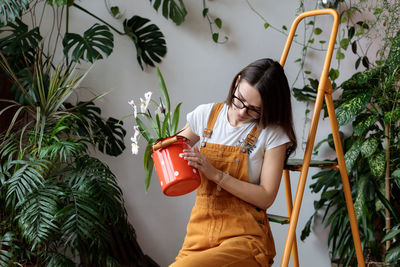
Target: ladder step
x=278, y=219
x=296, y=164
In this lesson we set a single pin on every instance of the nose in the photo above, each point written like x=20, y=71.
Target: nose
x=243, y=112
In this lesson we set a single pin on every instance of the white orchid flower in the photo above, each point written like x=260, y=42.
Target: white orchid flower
x=132, y=103
x=144, y=103
x=135, y=147
x=136, y=134
x=161, y=111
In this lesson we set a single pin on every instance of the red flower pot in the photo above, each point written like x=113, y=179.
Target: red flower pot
x=176, y=176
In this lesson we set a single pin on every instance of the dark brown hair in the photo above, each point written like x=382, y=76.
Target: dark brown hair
x=269, y=78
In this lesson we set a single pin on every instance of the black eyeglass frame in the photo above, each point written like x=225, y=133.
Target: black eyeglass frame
x=244, y=106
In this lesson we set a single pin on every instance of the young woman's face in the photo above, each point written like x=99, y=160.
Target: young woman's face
x=246, y=104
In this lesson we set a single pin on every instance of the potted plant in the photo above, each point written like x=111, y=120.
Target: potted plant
x=164, y=145
x=371, y=101
x=49, y=180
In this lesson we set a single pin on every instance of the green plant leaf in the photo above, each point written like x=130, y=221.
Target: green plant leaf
x=37, y=217
x=393, y=254
x=361, y=127
x=59, y=260
x=350, y=33
x=164, y=91
x=10, y=10
x=344, y=43
x=148, y=39
x=317, y=31
x=205, y=12
x=352, y=155
x=348, y=110
x=377, y=165
x=144, y=131
x=88, y=47
x=365, y=62
x=148, y=173
x=6, y=248
x=174, y=10
x=354, y=47
x=396, y=177
x=393, y=59
x=333, y=74
x=28, y=178
x=369, y=147
x=19, y=44
x=218, y=22
x=339, y=55
x=57, y=2
x=175, y=119
x=361, y=198
x=392, y=233
x=215, y=37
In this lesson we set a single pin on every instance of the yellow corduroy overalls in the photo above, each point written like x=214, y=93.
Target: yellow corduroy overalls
x=224, y=230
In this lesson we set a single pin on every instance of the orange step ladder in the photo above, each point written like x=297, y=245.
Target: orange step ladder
x=324, y=92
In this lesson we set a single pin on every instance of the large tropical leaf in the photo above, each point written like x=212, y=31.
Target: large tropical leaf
x=59, y=2
x=352, y=154
x=108, y=134
x=362, y=124
x=170, y=9
x=18, y=43
x=377, y=164
x=347, y=111
x=369, y=147
x=393, y=59
x=96, y=40
x=10, y=10
x=148, y=39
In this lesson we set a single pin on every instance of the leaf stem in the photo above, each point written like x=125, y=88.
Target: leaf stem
x=96, y=17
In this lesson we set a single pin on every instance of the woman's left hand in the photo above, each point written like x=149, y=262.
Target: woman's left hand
x=200, y=162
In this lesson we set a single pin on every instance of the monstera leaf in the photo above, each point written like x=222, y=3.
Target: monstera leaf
x=10, y=10
x=88, y=47
x=148, y=39
x=170, y=9
x=18, y=42
x=60, y=2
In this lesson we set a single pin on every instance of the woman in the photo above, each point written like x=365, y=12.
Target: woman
x=243, y=146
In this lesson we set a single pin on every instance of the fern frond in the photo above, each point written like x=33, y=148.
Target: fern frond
x=26, y=179
x=6, y=241
x=37, y=218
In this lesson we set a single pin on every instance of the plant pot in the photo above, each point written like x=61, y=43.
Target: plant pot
x=176, y=176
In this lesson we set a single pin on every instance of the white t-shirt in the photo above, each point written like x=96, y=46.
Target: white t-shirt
x=226, y=134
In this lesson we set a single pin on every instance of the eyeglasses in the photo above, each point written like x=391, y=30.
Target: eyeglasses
x=237, y=102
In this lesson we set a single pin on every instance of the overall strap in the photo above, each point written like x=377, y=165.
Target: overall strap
x=212, y=119
x=253, y=135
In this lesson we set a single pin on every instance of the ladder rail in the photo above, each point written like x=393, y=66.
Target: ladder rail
x=324, y=89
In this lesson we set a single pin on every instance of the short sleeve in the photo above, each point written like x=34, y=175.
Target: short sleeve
x=276, y=136
x=197, y=119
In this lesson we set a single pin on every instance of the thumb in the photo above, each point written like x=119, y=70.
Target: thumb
x=195, y=148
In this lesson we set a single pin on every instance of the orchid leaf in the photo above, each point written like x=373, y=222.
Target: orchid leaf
x=175, y=118
x=164, y=91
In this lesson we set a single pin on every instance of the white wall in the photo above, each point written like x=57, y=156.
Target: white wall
x=196, y=71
